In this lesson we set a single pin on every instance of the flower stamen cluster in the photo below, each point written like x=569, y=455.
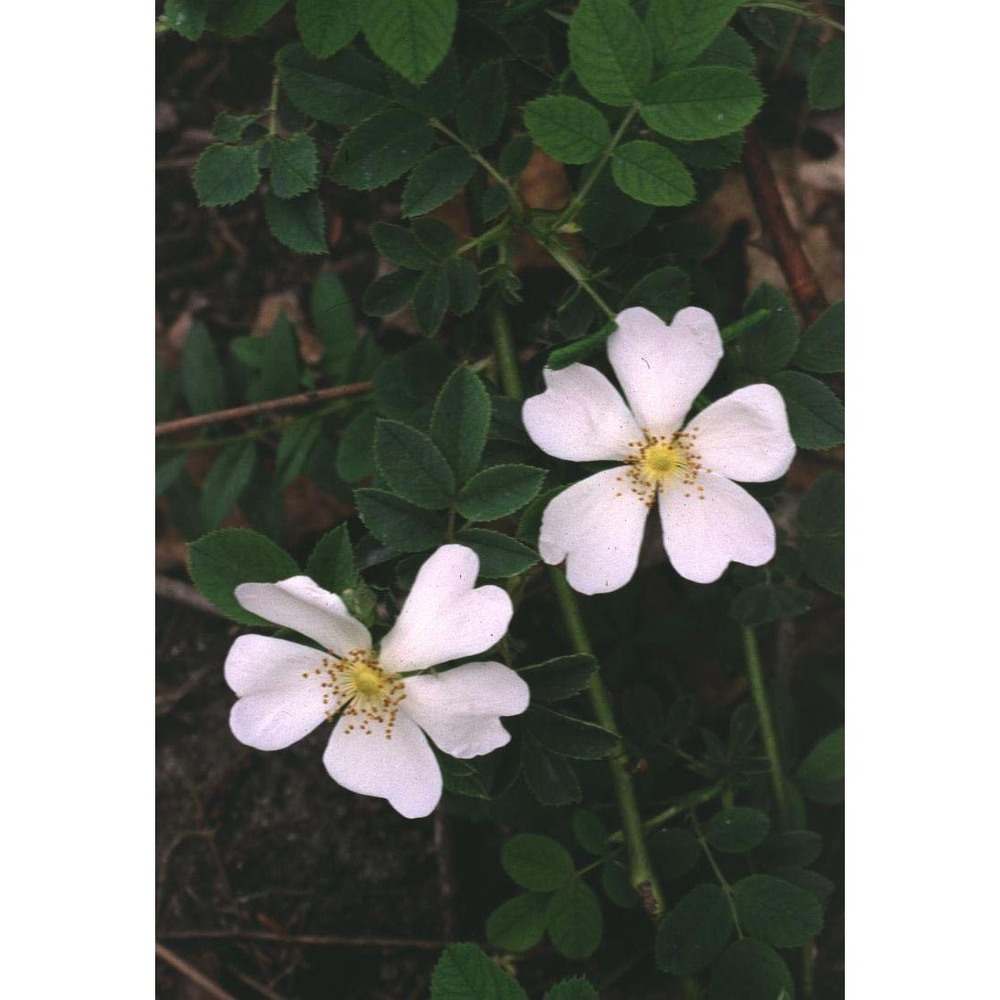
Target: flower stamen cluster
x=362, y=692
x=661, y=461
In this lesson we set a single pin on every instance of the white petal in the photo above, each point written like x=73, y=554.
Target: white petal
x=581, y=416
x=300, y=604
x=596, y=526
x=703, y=536
x=459, y=709
x=277, y=705
x=402, y=769
x=662, y=368
x=443, y=617
x=745, y=435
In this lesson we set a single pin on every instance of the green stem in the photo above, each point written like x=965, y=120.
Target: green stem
x=756, y=676
x=641, y=874
x=569, y=264
x=272, y=125
x=683, y=805
x=490, y=235
x=726, y=888
x=481, y=160
x=580, y=198
x=510, y=374
x=743, y=324
x=792, y=8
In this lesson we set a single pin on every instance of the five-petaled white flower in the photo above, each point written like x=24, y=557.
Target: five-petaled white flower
x=708, y=521
x=385, y=703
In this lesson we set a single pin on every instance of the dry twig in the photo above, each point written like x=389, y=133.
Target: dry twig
x=191, y=973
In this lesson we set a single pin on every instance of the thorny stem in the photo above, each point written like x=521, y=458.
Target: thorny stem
x=481, y=160
x=684, y=805
x=726, y=888
x=491, y=234
x=756, y=676
x=580, y=198
x=569, y=264
x=641, y=874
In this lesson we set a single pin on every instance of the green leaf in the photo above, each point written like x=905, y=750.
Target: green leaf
x=518, y=924
x=279, y=368
x=390, y=293
x=821, y=774
x=230, y=128
x=168, y=472
x=401, y=246
x=692, y=935
x=326, y=26
x=398, y=524
x=434, y=98
x=516, y=155
x=226, y=480
x=333, y=319
x=821, y=531
x=463, y=972
x=342, y=90
x=704, y=102
x=560, y=678
x=406, y=385
x=729, y=48
x=663, y=292
x=713, y=154
x=461, y=420
x=765, y=602
x=610, y=51
x=749, y=970
x=777, y=912
x=792, y=849
x=459, y=777
x=568, y=129
x=219, y=562
x=412, y=36
x=436, y=179
x=495, y=201
x=186, y=17
x=294, y=448
x=616, y=885
x=225, y=175
x=822, y=347
x=767, y=346
x=483, y=105
x=826, y=77
x=381, y=149
x=294, y=165
x=356, y=452
x=815, y=415
x=577, y=350
x=436, y=236
x=297, y=222
x=499, y=556
x=243, y=17
x=536, y=862
x=651, y=174
x=590, y=832
x=331, y=562
x=681, y=30
x=412, y=465
x=568, y=736
x=430, y=299
x=674, y=853
x=737, y=829
x=499, y=491
x=572, y=989
x=574, y=921
x=610, y=217
x=201, y=373
x=551, y=779
x=463, y=285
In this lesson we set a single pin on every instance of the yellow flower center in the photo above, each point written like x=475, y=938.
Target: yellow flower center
x=367, y=696
x=659, y=462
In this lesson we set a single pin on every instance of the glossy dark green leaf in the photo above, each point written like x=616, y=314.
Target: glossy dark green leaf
x=663, y=291
x=186, y=17
x=702, y=102
x=559, y=678
x=682, y=29
x=390, y=293
x=201, y=373
x=356, y=451
x=518, y=924
x=499, y=491
x=294, y=165
x=461, y=420
x=333, y=319
x=228, y=477
x=219, y=562
x=411, y=36
x=342, y=90
x=792, y=848
x=610, y=217
x=568, y=129
x=294, y=448
x=821, y=531
x=483, y=104
x=242, y=17
x=401, y=246
x=692, y=935
x=463, y=285
x=590, y=832
x=412, y=465
x=729, y=48
x=749, y=970
x=297, y=222
x=398, y=524
x=574, y=920
x=381, y=149
x=822, y=347
x=610, y=51
x=436, y=179
x=821, y=774
x=737, y=829
x=225, y=175
x=499, y=555
x=650, y=173
x=514, y=157
x=331, y=562
x=568, y=736
x=536, y=862
x=326, y=26
x=431, y=296
x=550, y=778
x=463, y=972
x=776, y=912
x=815, y=414
x=616, y=885
x=767, y=346
x=230, y=128
x=826, y=77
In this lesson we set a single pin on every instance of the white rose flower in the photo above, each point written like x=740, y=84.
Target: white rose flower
x=708, y=521
x=385, y=703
